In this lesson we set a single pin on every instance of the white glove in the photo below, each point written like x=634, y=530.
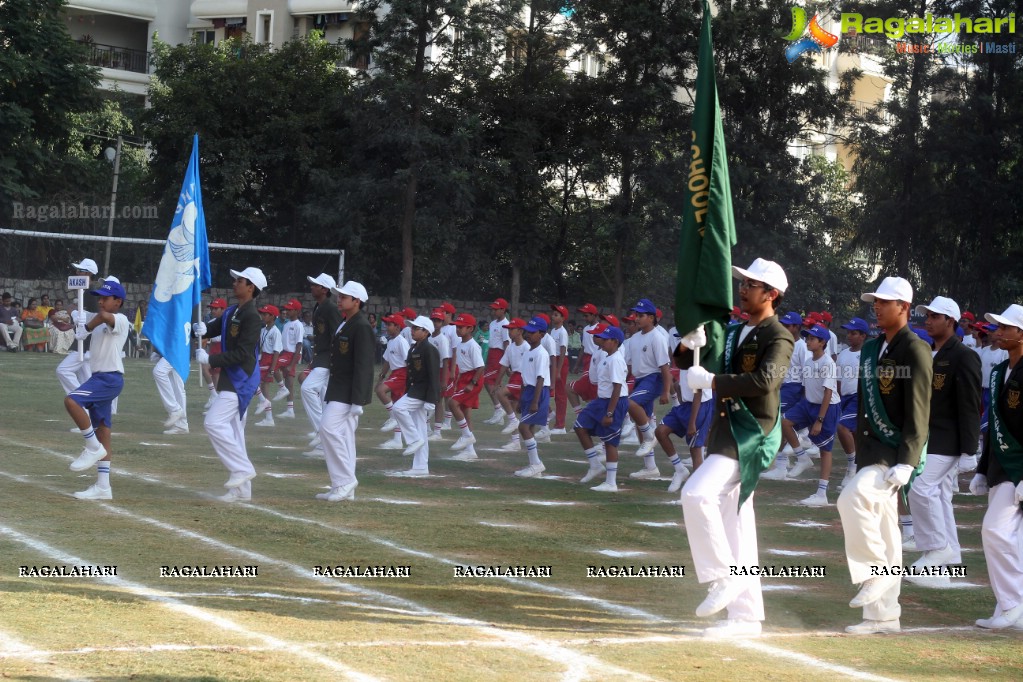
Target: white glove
x=695, y=339
x=202, y=356
x=899, y=474
x=1019, y=493
x=81, y=333
x=978, y=485
x=199, y=329
x=430, y=407
x=74, y=316
x=699, y=378
x=357, y=410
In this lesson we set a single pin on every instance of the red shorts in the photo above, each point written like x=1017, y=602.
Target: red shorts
x=584, y=389
x=213, y=347
x=396, y=383
x=493, y=367
x=514, y=386
x=283, y=361
x=675, y=374
x=466, y=395
x=449, y=388
x=630, y=383
x=264, y=367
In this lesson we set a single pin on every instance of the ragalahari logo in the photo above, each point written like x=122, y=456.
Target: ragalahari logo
x=807, y=36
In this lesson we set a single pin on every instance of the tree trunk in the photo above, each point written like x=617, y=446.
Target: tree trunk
x=408, y=217
x=515, y=286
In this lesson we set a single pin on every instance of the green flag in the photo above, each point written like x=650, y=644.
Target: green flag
x=703, y=286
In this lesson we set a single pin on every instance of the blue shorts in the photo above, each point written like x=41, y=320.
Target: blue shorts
x=678, y=421
x=593, y=414
x=791, y=393
x=647, y=390
x=847, y=411
x=543, y=406
x=804, y=415
x=97, y=394
x=986, y=402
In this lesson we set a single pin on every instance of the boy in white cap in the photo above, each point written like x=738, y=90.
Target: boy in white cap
x=535, y=399
x=326, y=318
x=953, y=431
x=238, y=328
x=353, y=349
x=391, y=382
x=1000, y=476
x=270, y=346
x=466, y=397
x=891, y=431
x=90, y=404
x=717, y=500
x=72, y=372
x=422, y=391
x=287, y=363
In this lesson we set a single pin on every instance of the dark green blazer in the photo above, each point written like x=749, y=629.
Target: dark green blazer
x=326, y=318
x=352, y=352
x=239, y=338
x=955, y=400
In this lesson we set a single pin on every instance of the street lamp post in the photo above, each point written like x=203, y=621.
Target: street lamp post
x=116, y=154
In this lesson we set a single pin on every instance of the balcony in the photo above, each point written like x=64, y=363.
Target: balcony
x=855, y=43
x=114, y=57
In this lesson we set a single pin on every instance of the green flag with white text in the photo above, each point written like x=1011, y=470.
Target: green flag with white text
x=703, y=286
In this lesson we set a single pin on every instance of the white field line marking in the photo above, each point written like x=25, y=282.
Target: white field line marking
x=11, y=647
x=578, y=666
x=182, y=608
x=808, y=661
x=611, y=607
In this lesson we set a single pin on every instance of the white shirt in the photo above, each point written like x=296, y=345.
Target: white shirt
x=448, y=330
x=396, y=352
x=443, y=346
x=688, y=394
x=832, y=344
x=800, y=356
x=970, y=341
x=598, y=357
x=106, y=345
x=270, y=340
x=819, y=375
x=549, y=345
x=849, y=371
x=468, y=355
x=663, y=333
x=560, y=337
x=514, y=356
x=989, y=357
x=406, y=333
x=588, y=345
x=612, y=370
x=498, y=335
x=537, y=365
x=293, y=332
x=647, y=353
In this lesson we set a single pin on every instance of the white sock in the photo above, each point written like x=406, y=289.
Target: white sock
x=91, y=441
x=612, y=473
x=389, y=406
x=822, y=487
x=464, y=426
x=648, y=461
x=676, y=462
x=591, y=457
x=103, y=474
x=531, y=452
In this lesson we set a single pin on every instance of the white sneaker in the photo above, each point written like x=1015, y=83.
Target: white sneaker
x=733, y=628
x=542, y=436
x=871, y=590
x=463, y=442
x=392, y=444
x=646, y=447
x=787, y=451
x=88, y=458
x=345, y=492
x=512, y=427
x=324, y=496
x=646, y=474
x=315, y=453
x=287, y=414
x=234, y=496
x=678, y=479
x=967, y=464
x=722, y=592
x=628, y=429
x=412, y=447
x=801, y=465
x=875, y=627
x=814, y=452
x=559, y=432
x=435, y=436
x=1002, y=619
x=238, y=479
x=850, y=474
x=75, y=429
x=631, y=439
x=176, y=431
x=446, y=426
x=496, y=418
x=593, y=473
x=511, y=446
x=464, y=457
x=775, y=473
x=95, y=492
x=209, y=403
x=174, y=418
x=531, y=471
x=909, y=543
x=315, y=442
x=818, y=499
x=280, y=395
x=605, y=487
x=389, y=425
x=688, y=462
x=415, y=473
x=937, y=557
x=312, y=435
x=267, y=420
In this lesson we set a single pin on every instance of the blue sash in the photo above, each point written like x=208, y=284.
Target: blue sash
x=245, y=385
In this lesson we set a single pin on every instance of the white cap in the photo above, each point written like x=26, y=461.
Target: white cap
x=891, y=289
x=111, y=278
x=423, y=322
x=87, y=264
x=355, y=290
x=254, y=275
x=324, y=280
x=1012, y=317
x=942, y=306
x=766, y=271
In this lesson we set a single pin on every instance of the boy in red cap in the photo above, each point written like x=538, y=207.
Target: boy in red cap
x=441, y=342
x=408, y=313
x=217, y=307
x=270, y=347
x=583, y=388
x=560, y=377
x=448, y=330
x=512, y=361
x=497, y=341
x=391, y=382
x=469, y=361
x=287, y=363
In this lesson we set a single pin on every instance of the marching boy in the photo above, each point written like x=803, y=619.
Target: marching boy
x=512, y=361
x=469, y=363
x=689, y=420
x=391, y=382
x=535, y=399
x=270, y=347
x=287, y=363
x=603, y=416
x=817, y=410
x=109, y=328
x=423, y=387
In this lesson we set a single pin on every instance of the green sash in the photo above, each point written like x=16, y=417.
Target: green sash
x=756, y=449
x=877, y=417
x=1007, y=449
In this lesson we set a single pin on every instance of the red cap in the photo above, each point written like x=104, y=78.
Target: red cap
x=545, y=317
x=588, y=308
x=218, y=303
x=293, y=304
x=658, y=313
x=464, y=320
x=437, y=314
x=969, y=316
x=272, y=309
x=515, y=323
x=410, y=313
x=599, y=329
x=561, y=309
x=396, y=318
x=736, y=311
x=826, y=316
x=448, y=308
x=629, y=318
x=499, y=304
x=744, y=316
x=611, y=319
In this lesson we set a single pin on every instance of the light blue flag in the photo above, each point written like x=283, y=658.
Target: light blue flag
x=183, y=275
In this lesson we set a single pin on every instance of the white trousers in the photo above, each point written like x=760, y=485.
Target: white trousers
x=412, y=417
x=337, y=434
x=72, y=372
x=1002, y=536
x=870, y=520
x=226, y=429
x=720, y=534
x=930, y=502
x=314, y=391
x=171, y=389
x=11, y=333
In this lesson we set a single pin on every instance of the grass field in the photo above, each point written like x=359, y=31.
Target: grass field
x=288, y=623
